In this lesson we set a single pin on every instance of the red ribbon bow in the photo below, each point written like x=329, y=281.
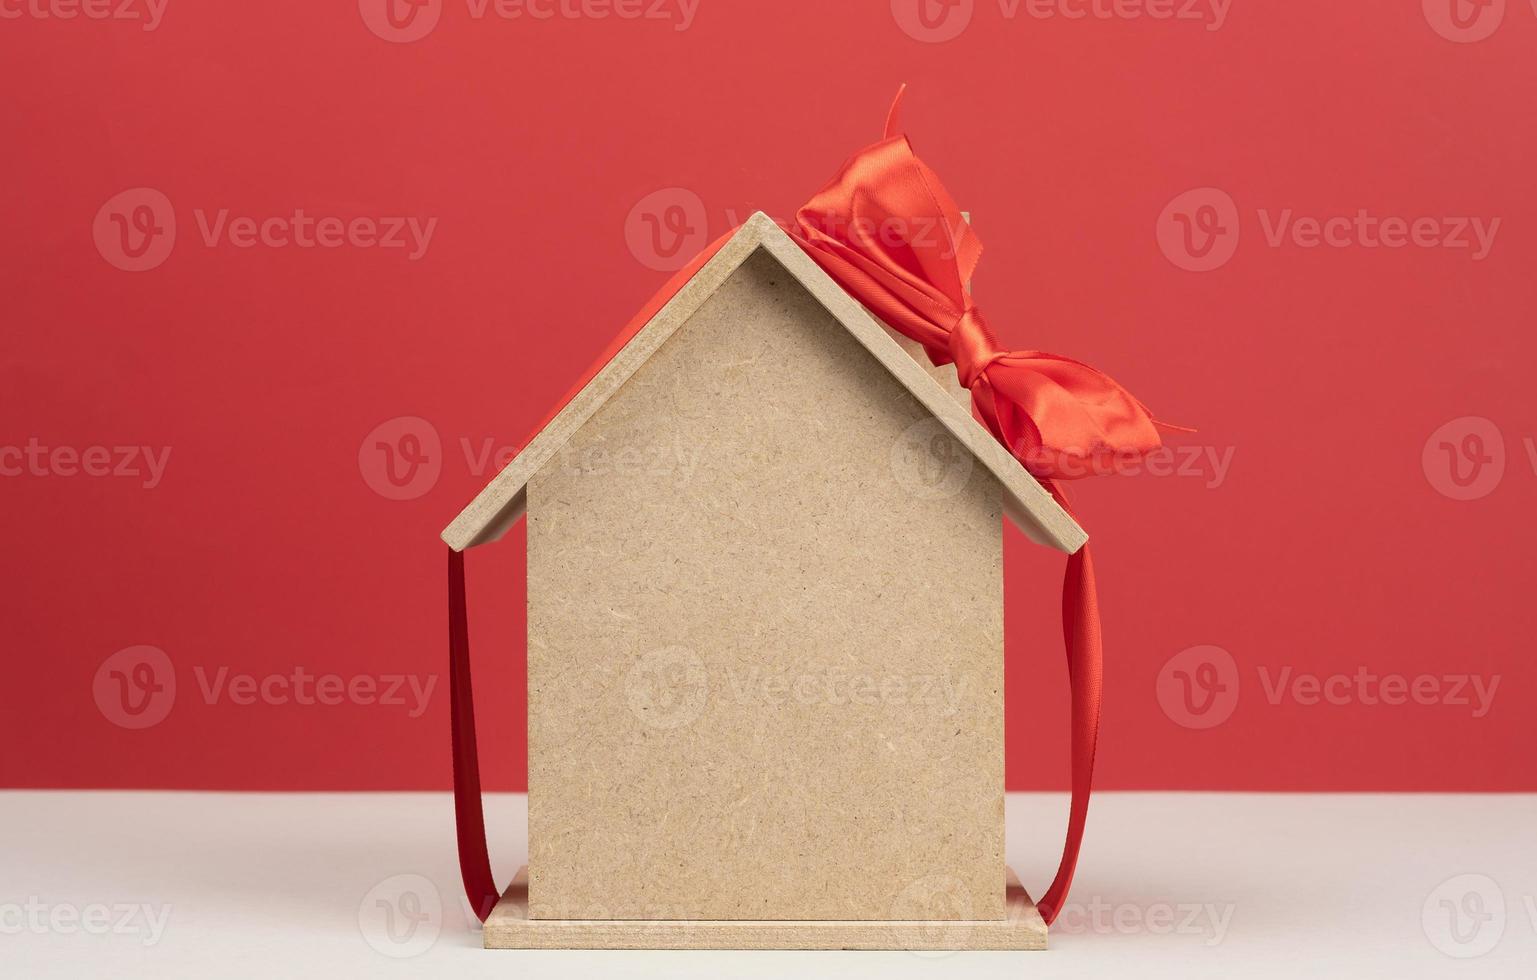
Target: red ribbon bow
x=886, y=229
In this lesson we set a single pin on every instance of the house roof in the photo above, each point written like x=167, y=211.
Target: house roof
x=499, y=505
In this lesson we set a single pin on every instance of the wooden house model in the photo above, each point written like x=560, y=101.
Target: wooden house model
x=765, y=633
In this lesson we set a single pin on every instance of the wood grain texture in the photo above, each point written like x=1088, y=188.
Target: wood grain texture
x=499, y=505
x=765, y=625
x=1021, y=928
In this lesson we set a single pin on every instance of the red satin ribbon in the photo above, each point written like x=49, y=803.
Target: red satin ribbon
x=1086, y=679
x=469, y=816
x=888, y=232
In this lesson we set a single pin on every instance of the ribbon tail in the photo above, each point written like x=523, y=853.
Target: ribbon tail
x=1085, y=670
x=469, y=816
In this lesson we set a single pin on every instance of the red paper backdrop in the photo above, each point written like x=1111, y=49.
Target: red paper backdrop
x=1316, y=610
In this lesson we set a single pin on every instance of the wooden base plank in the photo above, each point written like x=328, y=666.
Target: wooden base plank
x=510, y=927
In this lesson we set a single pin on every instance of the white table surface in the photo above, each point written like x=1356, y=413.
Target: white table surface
x=1171, y=885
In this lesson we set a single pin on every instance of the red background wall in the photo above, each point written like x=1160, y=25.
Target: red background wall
x=1342, y=383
